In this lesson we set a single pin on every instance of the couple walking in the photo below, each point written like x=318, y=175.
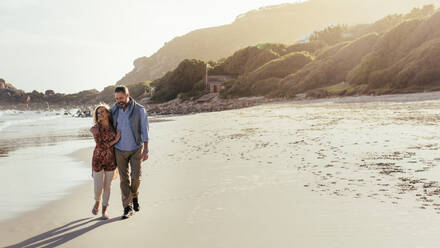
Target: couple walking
x=121, y=136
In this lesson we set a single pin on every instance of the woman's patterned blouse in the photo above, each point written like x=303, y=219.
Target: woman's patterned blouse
x=103, y=155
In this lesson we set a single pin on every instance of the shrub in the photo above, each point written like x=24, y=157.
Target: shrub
x=180, y=80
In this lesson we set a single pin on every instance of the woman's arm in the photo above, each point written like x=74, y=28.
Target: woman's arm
x=101, y=143
x=118, y=136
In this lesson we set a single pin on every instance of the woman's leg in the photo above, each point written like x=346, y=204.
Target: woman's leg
x=108, y=178
x=107, y=186
x=98, y=179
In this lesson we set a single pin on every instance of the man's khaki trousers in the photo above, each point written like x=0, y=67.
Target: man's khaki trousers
x=129, y=186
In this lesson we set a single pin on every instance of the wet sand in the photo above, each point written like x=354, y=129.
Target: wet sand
x=352, y=173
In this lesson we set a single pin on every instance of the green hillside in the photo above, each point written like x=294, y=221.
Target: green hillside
x=285, y=23
x=397, y=53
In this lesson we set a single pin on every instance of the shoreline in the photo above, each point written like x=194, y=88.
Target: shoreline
x=81, y=155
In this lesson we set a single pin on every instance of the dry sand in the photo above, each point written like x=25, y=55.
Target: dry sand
x=277, y=175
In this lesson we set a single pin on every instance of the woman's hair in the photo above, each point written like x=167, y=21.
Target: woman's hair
x=107, y=109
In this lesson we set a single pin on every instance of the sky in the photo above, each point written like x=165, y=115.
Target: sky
x=74, y=45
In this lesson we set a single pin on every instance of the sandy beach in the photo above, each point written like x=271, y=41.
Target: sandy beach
x=358, y=172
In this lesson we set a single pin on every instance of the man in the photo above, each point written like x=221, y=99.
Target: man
x=131, y=119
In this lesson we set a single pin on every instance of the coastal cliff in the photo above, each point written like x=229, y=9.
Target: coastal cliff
x=285, y=23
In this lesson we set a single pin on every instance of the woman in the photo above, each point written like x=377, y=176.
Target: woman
x=103, y=161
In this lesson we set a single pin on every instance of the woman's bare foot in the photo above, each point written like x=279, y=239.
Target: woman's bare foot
x=95, y=208
x=104, y=213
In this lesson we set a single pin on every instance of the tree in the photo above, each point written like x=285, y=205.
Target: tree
x=330, y=35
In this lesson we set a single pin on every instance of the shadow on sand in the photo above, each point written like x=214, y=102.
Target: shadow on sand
x=63, y=234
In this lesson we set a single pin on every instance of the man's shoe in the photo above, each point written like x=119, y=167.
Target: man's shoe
x=136, y=204
x=128, y=211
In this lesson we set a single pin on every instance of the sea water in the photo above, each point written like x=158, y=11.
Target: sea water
x=35, y=166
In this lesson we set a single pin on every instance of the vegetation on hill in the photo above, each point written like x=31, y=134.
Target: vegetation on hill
x=138, y=91
x=266, y=77
x=252, y=58
x=395, y=54
x=328, y=69
x=187, y=77
x=404, y=60
x=285, y=23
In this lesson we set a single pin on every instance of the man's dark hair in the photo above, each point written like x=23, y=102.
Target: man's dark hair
x=122, y=89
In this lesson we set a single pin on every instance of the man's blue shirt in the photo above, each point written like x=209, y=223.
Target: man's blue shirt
x=127, y=141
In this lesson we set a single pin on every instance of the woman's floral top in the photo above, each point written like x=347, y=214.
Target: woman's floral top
x=103, y=155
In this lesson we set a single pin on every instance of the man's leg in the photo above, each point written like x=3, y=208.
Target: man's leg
x=136, y=175
x=122, y=162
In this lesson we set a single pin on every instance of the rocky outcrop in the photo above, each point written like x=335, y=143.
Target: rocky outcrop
x=9, y=95
x=49, y=92
x=84, y=101
x=13, y=98
x=2, y=83
x=182, y=107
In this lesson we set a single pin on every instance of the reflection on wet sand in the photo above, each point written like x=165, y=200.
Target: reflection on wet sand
x=48, y=138
x=12, y=144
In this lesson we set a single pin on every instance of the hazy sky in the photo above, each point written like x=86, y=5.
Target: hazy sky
x=72, y=45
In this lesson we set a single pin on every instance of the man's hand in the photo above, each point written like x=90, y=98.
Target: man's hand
x=144, y=155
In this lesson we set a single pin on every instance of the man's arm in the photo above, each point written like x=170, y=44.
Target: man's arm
x=144, y=133
x=145, y=152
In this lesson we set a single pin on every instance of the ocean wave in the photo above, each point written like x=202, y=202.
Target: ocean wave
x=7, y=112
x=25, y=119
